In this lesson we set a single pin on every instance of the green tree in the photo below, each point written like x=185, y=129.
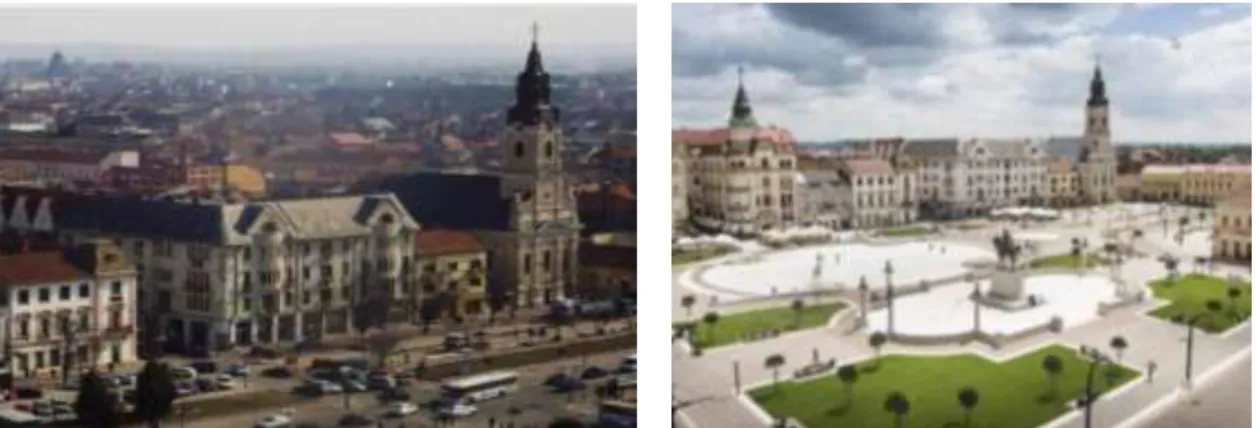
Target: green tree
x=797, y=306
x=710, y=319
x=877, y=340
x=93, y=405
x=687, y=301
x=848, y=374
x=897, y=404
x=1234, y=293
x=1118, y=345
x=968, y=398
x=774, y=362
x=154, y=393
x=1053, y=365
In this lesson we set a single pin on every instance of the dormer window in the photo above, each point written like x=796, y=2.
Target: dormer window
x=386, y=219
x=270, y=227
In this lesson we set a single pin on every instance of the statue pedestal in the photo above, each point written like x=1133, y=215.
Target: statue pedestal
x=1007, y=291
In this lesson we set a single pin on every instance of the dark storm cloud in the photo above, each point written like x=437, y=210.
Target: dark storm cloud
x=811, y=64
x=867, y=25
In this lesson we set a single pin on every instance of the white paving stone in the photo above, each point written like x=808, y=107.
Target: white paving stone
x=947, y=310
x=791, y=270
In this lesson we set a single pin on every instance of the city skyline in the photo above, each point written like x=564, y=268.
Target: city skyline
x=1176, y=73
x=580, y=38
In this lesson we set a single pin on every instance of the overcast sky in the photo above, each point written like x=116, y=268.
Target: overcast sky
x=492, y=30
x=1177, y=73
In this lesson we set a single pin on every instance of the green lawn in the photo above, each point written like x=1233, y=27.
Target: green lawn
x=686, y=256
x=1066, y=261
x=1012, y=394
x=1190, y=294
x=906, y=231
x=732, y=328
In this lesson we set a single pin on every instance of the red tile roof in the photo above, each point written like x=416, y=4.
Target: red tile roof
x=38, y=268
x=870, y=166
x=440, y=242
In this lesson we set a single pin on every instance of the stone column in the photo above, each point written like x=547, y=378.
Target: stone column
x=274, y=329
x=298, y=321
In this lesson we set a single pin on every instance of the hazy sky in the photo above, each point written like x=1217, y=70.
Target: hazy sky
x=492, y=30
x=1174, y=72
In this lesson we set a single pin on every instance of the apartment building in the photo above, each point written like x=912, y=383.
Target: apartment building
x=216, y=274
x=451, y=268
x=1063, y=183
x=58, y=164
x=823, y=193
x=76, y=303
x=741, y=179
x=1193, y=184
x=1232, y=226
x=882, y=196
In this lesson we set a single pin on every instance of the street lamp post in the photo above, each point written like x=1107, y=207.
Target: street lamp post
x=737, y=375
x=889, y=295
x=1096, y=359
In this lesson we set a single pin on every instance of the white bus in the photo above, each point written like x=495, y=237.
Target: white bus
x=480, y=387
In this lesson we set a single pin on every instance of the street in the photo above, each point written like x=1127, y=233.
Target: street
x=536, y=404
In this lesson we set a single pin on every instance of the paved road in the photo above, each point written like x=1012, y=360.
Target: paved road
x=1226, y=401
x=538, y=406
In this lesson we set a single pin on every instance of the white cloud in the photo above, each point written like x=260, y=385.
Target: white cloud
x=1209, y=12
x=1200, y=92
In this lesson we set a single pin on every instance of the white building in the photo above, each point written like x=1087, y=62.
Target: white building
x=77, y=303
x=740, y=179
x=57, y=164
x=882, y=196
x=214, y=274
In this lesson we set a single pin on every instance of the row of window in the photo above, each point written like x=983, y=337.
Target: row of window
x=50, y=294
x=35, y=360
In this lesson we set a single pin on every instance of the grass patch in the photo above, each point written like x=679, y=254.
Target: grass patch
x=906, y=231
x=1190, y=295
x=1067, y=261
x=1013, y=394
x=691, y=255
x=733, y=328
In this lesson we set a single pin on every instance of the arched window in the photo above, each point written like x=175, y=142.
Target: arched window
x=549, y=149
x=519, y=149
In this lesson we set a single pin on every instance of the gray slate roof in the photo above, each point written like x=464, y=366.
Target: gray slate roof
x=223, y=224
x=931, y=148
x=1070, y=148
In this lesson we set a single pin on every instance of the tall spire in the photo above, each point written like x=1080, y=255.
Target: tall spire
x=532, y=90
x=1098, y=96
x=743, y=115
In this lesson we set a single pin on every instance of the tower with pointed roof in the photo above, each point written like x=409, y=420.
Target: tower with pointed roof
x=542, y=249
x=1098, y=159
x=743, y=115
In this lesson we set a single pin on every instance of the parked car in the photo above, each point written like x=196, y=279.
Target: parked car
x=183, y=373
x=281, y=372
x=29, y=393
x=238, y=370
x=207, y=384
x=354, y=386
x=380, y=381
x=184, y=388
x=457, y=410
x=401, y=408
x=274, y=421
x=594, y=372
x=224, y=381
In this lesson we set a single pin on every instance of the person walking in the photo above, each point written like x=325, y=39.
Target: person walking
x=1151, y=371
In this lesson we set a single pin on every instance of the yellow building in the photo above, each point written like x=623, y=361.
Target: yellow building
x=246, y=179
x=1192, y=184
x=1063, y=182
x=1232, y=227
x=450, y=269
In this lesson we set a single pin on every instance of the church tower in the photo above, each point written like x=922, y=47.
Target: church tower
x=1098, y=158
x=743, y=115
x=533, y=143
x=537, y=257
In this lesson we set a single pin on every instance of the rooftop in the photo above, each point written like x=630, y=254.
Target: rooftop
x=445, y=242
